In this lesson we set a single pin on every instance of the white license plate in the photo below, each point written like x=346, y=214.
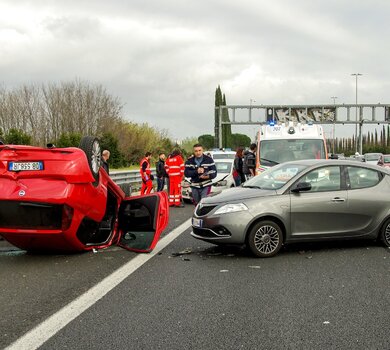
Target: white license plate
x=21, y=166
x=196, y=222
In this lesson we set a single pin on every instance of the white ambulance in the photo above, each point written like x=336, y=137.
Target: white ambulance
x=278, y=143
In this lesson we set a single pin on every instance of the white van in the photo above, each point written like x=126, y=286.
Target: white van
x=278, y=143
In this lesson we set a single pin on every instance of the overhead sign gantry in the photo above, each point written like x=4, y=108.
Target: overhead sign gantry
x=319, y=114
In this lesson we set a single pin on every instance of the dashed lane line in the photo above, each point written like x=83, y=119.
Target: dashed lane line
x=48, y=328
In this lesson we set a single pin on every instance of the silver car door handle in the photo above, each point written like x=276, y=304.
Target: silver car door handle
x=338, y=199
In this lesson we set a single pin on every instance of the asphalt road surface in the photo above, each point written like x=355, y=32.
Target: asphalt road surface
x=312, y=296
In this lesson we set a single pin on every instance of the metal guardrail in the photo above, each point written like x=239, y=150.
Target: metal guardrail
x=128, y=180
x=128, y=176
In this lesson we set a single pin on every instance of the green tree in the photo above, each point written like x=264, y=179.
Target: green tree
x=226, y=128
x=68, y=139
x=188, y=144
x=218, y=102
x=207, y=141
x=240, y=140
x=109, y=142
x=17, y=137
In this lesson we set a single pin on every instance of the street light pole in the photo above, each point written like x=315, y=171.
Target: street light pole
x=334, y=122
x=356, y=135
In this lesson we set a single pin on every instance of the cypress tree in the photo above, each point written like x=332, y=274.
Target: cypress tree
x=376, y=138
x=218, y=102
x=388, y=136
x=227, y=128
x=384, y=142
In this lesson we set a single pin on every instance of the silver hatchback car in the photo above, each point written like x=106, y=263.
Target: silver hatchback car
x=301, y=201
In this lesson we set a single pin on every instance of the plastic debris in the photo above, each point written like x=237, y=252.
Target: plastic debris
x=186, y=251
x=326, y=322
x=309, y=257
x=224, y=271
x=94, y=250
x=254, y=267
x=183, y=252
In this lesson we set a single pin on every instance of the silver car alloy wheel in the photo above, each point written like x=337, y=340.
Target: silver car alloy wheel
x=95, y=157
x=266, y=239
x=386, y=236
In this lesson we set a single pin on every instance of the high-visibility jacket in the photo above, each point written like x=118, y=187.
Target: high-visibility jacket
x=145, y=173
x=174, y=166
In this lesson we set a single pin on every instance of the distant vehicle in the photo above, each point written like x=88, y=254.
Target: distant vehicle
x=372, y=158
x=221, y=154
x=337, y=156
x=384, y=160
x=222, y=181
x=299, y=201
x=279, y=143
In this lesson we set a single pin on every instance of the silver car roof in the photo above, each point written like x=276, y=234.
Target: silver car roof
x=328, y=162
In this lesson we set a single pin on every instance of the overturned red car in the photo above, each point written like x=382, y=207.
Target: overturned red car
x=61, y=199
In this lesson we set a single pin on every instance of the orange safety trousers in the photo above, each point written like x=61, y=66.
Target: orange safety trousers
x=174, y=197
x=146, y=188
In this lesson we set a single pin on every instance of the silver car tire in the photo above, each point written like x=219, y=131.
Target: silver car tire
x=265, y=239
x=385, y=234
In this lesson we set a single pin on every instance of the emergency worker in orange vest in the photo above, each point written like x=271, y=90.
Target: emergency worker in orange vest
x=146, y=174
x=174, y=166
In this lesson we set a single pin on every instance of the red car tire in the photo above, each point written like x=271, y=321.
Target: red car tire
x=91, y=147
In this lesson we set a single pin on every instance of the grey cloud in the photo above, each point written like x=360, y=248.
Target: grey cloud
x=71, y=28
x=164, y=59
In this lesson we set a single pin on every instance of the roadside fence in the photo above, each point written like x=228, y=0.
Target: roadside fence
x=129, y=180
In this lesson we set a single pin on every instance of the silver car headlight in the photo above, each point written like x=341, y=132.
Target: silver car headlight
x=231, y=208
x=221, y=183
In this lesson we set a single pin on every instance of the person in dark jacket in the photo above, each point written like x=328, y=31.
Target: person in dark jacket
x=160, y=171
x=239, y=177
x=249, y=163
x=201, y=169
x=105, y=157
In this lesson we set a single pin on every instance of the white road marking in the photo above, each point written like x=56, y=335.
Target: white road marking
x=48, y=328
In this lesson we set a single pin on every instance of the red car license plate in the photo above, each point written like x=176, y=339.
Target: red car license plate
x=22, y=166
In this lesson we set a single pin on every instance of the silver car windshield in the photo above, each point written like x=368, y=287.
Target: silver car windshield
x=276, y=177
x=223, y=167
x=279, y=151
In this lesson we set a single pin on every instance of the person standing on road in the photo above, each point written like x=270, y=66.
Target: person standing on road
x=239, y=176
x=201, y=169
x=146, y=174
x=249, y=163
x=174, y=167
x=105, y=157
x=160, y=172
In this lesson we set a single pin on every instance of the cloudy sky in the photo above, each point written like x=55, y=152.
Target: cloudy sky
x=164, y=59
